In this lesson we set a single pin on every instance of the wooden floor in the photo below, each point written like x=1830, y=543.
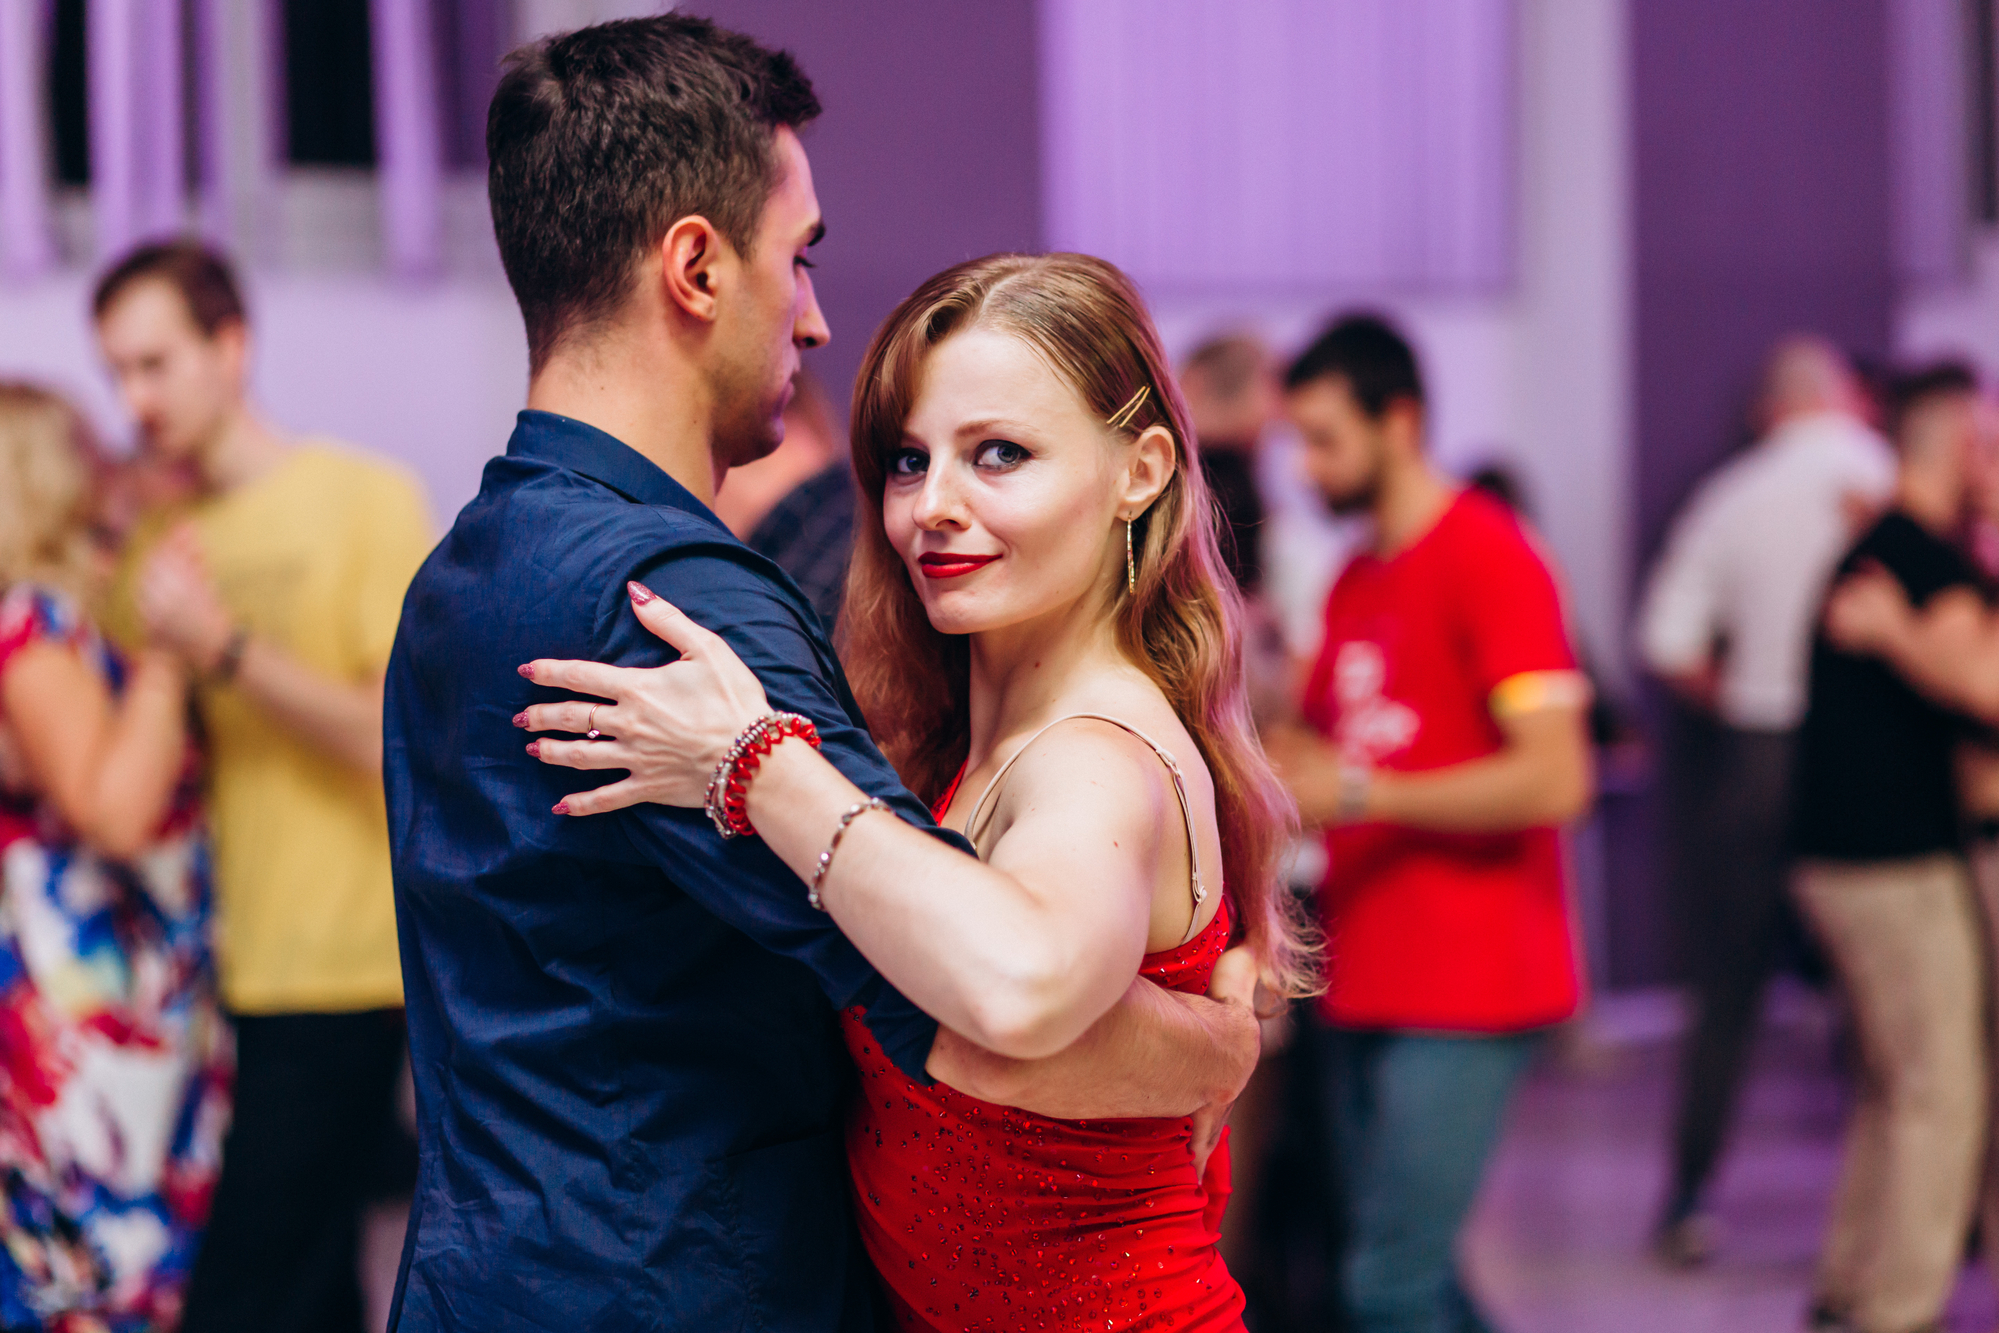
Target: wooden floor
x=1558, y=1244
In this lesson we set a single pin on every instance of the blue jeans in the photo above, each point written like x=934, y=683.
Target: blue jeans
x=1413, y=1119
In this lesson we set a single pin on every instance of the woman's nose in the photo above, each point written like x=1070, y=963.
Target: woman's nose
x=938, y=504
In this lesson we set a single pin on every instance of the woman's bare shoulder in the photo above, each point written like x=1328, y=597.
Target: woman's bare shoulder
x=1104, y=739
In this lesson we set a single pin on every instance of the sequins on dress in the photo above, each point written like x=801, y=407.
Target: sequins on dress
x=987, y=1218
x=983, y=1217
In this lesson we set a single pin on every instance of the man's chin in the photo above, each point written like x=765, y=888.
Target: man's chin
x=748, y=446
x=1351, y=505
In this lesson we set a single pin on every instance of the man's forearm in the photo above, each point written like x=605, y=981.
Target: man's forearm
x=1956, y=669
x=1155, y=1053
x=341, y=719
x=1500, y=793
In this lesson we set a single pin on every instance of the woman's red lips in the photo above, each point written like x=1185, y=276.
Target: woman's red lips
x=950, y=564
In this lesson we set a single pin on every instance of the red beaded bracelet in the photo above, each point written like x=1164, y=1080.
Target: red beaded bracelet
x=728, y=790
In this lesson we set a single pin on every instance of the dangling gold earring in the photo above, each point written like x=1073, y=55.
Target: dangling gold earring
x=1130, y=563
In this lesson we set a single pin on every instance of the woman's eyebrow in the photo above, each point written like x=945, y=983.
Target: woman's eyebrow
x=989, y=423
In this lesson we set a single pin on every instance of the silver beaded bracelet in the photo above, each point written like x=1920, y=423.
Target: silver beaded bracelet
x=716, y=799
x=826, y=857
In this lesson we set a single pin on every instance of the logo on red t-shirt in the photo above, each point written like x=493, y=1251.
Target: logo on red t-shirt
x=1370, y=726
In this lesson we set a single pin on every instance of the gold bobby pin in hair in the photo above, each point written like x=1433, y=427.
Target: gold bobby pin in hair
x=1130, y=409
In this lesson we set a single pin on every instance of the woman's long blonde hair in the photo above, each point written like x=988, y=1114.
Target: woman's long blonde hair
x=46, y=482
x=1182, y=624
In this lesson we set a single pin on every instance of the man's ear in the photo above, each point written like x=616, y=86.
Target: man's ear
x=1149, y=468
x=1402, y=424
x=232, y=341
x=693, y=255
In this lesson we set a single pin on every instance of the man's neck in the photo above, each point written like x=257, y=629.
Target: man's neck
x=1781, y=422
x=1931, y=502
x=656, y=405
x=243, y=450
x=1411, y=499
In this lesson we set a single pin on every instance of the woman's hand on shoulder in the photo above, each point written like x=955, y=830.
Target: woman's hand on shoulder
x=668, y=726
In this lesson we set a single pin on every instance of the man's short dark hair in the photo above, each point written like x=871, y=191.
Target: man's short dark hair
x=200, y=274
x=1911, y=389
x=599, y=140
x=1376, y=362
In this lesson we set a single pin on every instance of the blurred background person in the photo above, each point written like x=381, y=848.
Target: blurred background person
x=278, y=591
x=1610, y=731
x=1950, y=652
x=1454, y=747
x=1883, y=880
x=1231, y=390
x=807, y=529
x=796, y=503
x=1726, y=623
x=116, y=1063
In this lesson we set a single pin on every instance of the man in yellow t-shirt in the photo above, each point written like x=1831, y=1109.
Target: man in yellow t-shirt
x=280, y=584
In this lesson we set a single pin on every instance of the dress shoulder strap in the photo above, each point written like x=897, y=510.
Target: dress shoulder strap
x=1200, y=890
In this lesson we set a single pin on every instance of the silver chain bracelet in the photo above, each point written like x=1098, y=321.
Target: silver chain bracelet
x=826, y=857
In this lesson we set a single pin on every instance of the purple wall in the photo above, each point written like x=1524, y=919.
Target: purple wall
x=1761, y=205
x=928, y=151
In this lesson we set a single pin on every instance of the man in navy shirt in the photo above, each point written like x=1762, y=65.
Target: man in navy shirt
x=629, y=1078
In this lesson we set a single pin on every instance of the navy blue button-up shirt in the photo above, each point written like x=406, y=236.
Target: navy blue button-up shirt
x=629, y=1076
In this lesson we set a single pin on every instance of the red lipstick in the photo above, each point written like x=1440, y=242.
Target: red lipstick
x=951, y=564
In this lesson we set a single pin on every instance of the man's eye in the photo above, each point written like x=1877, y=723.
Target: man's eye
x=803, y=262
x=908, y=463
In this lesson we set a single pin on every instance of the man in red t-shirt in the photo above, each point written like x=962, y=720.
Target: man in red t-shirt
x=1450, y=743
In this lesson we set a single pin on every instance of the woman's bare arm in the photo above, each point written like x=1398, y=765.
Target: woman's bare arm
x=1030, y=948
x=1021, y=955
x=109, y=765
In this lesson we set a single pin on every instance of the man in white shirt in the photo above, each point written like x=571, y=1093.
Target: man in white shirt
x=1727, y=623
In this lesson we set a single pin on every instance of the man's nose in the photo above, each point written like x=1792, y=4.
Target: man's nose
x=811, y=330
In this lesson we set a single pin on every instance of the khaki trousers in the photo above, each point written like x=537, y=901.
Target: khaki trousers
x=1905, y=937
x=1985, y=874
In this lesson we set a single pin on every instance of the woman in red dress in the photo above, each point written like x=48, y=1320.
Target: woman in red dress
x=1041, y=630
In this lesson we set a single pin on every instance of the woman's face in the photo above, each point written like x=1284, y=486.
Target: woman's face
x=1004, y=497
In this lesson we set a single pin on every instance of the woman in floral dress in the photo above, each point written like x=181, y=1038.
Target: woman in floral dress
x=114, y=1064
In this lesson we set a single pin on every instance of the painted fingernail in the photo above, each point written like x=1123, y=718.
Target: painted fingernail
x=562, y=807
x=526, y=669
x=534, y=748
x=640, y=594
x=520, y=719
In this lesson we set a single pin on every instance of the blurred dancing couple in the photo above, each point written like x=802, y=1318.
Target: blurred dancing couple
x=789, y=1025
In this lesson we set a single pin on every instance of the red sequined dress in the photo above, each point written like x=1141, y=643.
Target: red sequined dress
x=984, y=1217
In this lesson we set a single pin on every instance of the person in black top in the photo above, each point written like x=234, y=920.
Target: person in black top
x=1882, y=879
x=809, y=534
x=1232, y=396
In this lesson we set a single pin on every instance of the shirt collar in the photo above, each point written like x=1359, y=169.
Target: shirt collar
x=602, y=457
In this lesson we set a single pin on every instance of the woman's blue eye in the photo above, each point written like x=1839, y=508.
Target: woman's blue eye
x=1002, y=453
x=908, y=463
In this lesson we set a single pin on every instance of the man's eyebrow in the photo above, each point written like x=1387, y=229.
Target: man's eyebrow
x=818, y=234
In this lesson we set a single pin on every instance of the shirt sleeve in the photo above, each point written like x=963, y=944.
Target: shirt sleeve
x=740, y=880
x=393, y=535
x=1514, y=616
x=1682, y=606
